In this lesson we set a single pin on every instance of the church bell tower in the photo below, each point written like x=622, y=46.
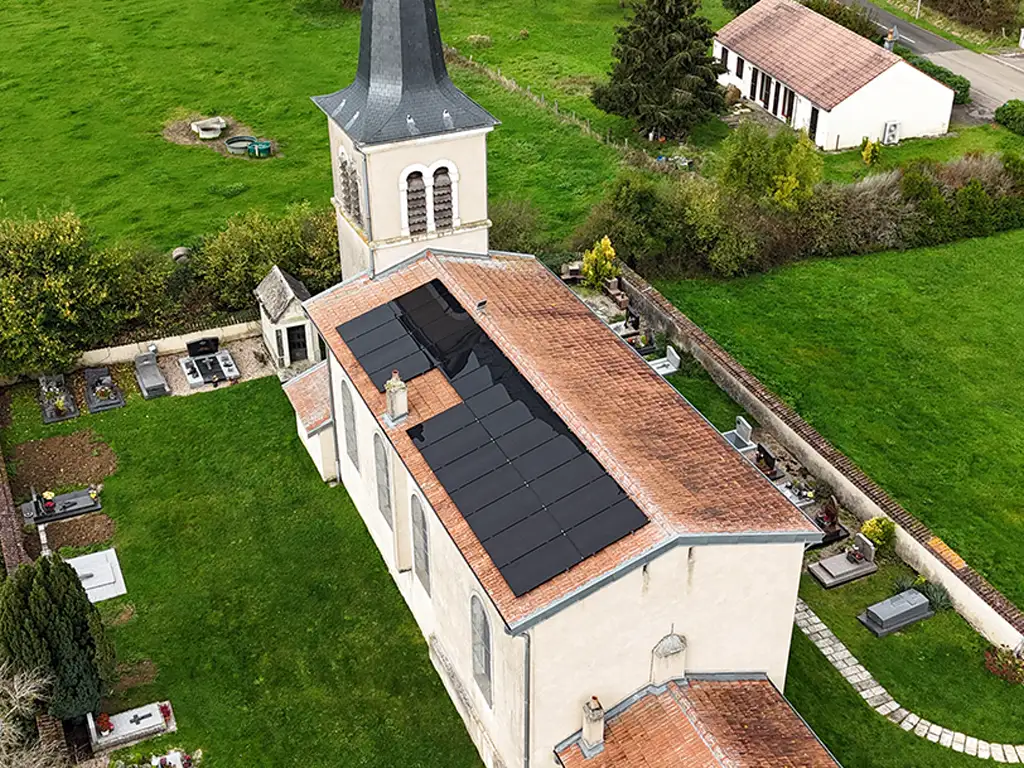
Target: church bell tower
x=408, y=148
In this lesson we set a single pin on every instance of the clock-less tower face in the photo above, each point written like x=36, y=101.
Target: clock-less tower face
x=409, y=148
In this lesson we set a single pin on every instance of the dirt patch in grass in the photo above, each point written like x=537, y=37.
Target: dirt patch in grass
x=30, y=540
x=123, y=375
x=80, y=531
x=180, y=132
x=576, y=85
x=5, y=408
x=127, y=614
x=134, y=674
x=80, y=459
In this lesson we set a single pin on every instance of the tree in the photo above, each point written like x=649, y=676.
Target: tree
x=855, y=18
x=53, y=293
x=738, y=6
x=20, y=696
x=47, y=624
x=663, y=75
x=781, y=169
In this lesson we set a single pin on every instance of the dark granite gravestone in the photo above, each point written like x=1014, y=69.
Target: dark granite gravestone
x=101, y=393
x=61, y=507
x=897, y=612
x=150, y=378
x=56, y=400
x=843, y=568
x=828, y=523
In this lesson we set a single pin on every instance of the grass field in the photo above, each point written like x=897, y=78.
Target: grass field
x=276, y=631
x=910, y=364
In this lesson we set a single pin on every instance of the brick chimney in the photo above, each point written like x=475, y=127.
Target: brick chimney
x=593, y=727
x=398, y=398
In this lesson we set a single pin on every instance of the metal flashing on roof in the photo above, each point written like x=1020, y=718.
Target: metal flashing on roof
x=402, y=90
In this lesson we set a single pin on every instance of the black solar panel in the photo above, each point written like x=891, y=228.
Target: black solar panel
x=529, y=489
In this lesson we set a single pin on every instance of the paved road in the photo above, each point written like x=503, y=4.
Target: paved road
x=994, y=79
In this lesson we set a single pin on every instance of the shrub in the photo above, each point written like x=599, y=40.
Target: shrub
x=903, y=582
x=973, y=211
x=881, y=531
x=782, y=169
x=856, y=18
x=1004, y=663
x=989, y=15
x=1011, y=115
x=516, y=226
x=938, y=597
x=870, y=151
x=479, y=41
x=599, y=263
x=961, y=85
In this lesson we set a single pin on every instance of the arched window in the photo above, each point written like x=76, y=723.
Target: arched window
x=416, y=203
x=420, y=546
x=481, y=647
x=349, y=178
x=442, y=198
x=348, y=415
x=380, y=456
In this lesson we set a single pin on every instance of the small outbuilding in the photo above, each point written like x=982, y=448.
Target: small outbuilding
x=310, y=396
x=287, y=332
x=816, y=75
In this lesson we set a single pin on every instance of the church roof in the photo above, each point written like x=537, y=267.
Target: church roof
x=674, y=465
x=277, y=290
x=703, y=723
x=402, y=89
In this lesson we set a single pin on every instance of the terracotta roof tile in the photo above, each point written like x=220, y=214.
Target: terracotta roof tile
x=817, y=58
x=310, y=396
x=705, y=724
x=673, y=464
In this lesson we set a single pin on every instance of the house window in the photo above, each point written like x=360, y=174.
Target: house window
x=416, y=203
x=739, y=67
x=380, y=456
x=812, y=129
x=481, y=647
x=725, y=58
x=442, y=198
x=766, y=90
x=279, y=338
x=322, y=346
x=420, y=544
x=755, y=72
x=297, y=349
x=348, y=415
x=349, y=181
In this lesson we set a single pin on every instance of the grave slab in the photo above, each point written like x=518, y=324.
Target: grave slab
x=841, y=569
x=100, y=574
x=132, y=726
x=897, y=612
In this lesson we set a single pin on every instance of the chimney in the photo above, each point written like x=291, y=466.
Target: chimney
x=398, y=398
x=890, y=40
x=593, y=727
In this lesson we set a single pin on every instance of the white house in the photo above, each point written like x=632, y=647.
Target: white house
x=586, y=556
x=816, y=75
x=287, y=332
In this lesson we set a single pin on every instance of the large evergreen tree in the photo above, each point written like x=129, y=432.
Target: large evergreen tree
x=663, y=75
x=48, y=626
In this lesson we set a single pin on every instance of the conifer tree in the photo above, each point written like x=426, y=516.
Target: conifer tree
x=663, y=75
x=48, y=626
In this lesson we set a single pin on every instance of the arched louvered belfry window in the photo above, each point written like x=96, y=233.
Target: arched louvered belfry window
x=416, y=203
x=420, y=544
x=349, y=178
x=348, y=414
x=380, y=456
x=481, y=647
x=443, y=215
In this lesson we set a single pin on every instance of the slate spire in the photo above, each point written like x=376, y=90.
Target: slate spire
x=402, y=89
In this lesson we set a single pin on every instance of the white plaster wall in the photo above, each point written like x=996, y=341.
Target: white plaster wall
x=352, y=240
x=734, y=604
x=320, y=448
x=464, y=239
x=170, y=345
x=902, y=94
x=445, y=612
x=294, y=316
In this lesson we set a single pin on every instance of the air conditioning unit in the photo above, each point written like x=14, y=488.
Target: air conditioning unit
x=891, y=133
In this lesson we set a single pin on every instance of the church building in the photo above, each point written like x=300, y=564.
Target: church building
x=601, y=579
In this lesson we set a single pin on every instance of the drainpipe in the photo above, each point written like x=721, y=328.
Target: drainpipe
x=526, y=702
x=367, y=218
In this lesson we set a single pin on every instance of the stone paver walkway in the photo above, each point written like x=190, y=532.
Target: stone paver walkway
x=879, y=699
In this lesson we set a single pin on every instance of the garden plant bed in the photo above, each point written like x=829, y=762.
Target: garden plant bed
x=62, y=461
x=95, y=528
x=134, y=674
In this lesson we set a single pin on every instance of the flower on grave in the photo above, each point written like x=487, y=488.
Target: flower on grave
x=48, y=495
x=165, y=711
x=59, y=402
x=103, y=724
x=93, y=493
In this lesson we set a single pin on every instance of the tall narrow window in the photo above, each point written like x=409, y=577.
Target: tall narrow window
x=754, y=73
x=739, y=67
x=416, y=203
x=481, y=647
x=420, y=544
x=354, y=209
x=442, y=198
x=725, y=58
x=380, y=456
x=348, y=414
x=812, y=129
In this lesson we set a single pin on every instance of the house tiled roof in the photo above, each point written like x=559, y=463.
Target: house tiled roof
x=664, y=454
x=277, y=290
x=704, y=724
x=819, y=59
x=310, y=396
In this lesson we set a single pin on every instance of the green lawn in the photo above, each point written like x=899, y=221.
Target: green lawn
x=910, y=364
x=935, y=668
x=277, y=632
x=697, y=386
x=848, y=166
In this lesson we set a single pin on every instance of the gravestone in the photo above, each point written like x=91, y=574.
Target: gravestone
x=101, y=393
x=131, y=727
x=897, y=612
x=855, y=563
x=740, y=437
x=150, y=378
x=100, y=574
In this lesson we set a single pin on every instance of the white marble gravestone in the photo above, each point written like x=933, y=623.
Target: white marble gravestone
x=130, y=727
x=100, y=574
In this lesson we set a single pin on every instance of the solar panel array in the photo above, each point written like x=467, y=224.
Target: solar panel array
x=529, y=489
